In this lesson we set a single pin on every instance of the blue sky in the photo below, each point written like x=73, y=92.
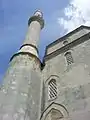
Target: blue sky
x=14, y=15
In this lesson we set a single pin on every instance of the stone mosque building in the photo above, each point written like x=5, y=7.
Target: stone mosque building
x=58, y=88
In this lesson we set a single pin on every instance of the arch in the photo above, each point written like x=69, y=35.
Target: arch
x=54, y=114
x=56, y=77
x=69, y=52
x=60, y=110
x=65, y=42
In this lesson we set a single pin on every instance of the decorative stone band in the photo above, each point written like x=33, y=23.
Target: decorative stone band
x=27, y=53
x=30, y=46
x=30, y=49
x=38, y=19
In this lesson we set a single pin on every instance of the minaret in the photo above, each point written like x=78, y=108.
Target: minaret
x=20, y=92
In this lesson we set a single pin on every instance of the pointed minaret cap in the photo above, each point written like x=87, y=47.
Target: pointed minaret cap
x=38, y=13
x=38, y=16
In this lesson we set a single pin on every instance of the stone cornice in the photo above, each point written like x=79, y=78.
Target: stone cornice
x=67, y=47
x=67, y=35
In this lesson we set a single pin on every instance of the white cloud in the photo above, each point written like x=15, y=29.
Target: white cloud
x=75, y=14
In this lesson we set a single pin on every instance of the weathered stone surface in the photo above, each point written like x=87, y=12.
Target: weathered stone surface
x=19, y=89
x=74, y=80
x=24, y=93
x=20, y=95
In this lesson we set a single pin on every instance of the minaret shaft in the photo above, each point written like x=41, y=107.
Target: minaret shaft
x=31, y=41
x=33, y=33
x=30, y=44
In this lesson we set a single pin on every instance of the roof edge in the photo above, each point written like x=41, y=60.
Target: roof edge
x=67, y=47
x=67, y=35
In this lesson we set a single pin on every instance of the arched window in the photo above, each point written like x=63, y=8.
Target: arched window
x=52, y=89
x=55, y=111
x=65, y=42
x=69, y=58
x=54, y=114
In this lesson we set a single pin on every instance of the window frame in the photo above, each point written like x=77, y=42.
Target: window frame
x=52, y=89
x=69, y=58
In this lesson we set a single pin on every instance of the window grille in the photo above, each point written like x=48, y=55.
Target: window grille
x=69, y=58
x=52, y=89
